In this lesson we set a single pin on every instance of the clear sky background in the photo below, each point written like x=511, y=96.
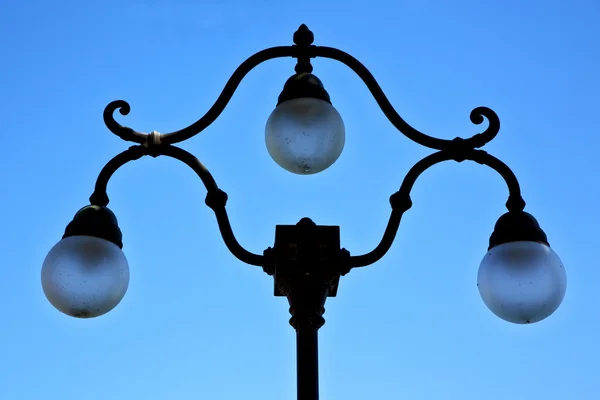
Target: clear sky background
x=198, y=324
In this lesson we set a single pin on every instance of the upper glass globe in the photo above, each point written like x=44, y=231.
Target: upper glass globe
x=522, y=282
x=305, y=135
x=85, y=276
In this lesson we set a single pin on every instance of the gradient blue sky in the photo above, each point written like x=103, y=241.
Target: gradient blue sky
x=198, y=324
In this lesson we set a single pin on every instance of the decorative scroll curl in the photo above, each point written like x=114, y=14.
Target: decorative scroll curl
x=121, y=131
x=211, y=115
x=392, y=115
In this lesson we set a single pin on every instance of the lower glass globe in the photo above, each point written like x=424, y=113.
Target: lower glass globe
x=522, y=282
x=305, y=135
x=85, y=276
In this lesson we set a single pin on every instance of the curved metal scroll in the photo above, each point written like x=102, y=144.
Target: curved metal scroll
x=99, y=197
x=392, y=115
x=401, y=201
x=215, y=197
x=211, y=115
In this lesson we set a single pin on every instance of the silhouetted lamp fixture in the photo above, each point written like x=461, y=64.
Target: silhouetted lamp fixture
x=520, y=279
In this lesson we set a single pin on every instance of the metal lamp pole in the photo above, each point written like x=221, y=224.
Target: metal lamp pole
x=306, y=260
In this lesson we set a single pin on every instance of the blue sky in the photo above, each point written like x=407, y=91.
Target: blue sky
x=196, y=323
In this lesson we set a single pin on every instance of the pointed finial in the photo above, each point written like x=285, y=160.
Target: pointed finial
x=303, y=36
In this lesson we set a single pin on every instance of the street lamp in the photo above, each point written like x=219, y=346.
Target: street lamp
x=520, y=279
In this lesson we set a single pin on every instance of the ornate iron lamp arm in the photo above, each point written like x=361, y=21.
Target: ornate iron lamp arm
x=216, y=200
x=230, y=87
x=401, y=201
x=100, y=197
x=211, y=115
x=476, y=116
x=215, y=197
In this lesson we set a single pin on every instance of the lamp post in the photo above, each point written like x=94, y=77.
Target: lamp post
x=520, y=279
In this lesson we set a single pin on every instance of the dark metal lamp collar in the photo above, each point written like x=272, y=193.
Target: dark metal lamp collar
x=303, y=85
x=95, y=221
x=517, y=226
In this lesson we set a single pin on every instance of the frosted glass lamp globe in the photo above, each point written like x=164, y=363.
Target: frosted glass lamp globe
x=85, y=276
x=522, y=281
x=305, y=135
